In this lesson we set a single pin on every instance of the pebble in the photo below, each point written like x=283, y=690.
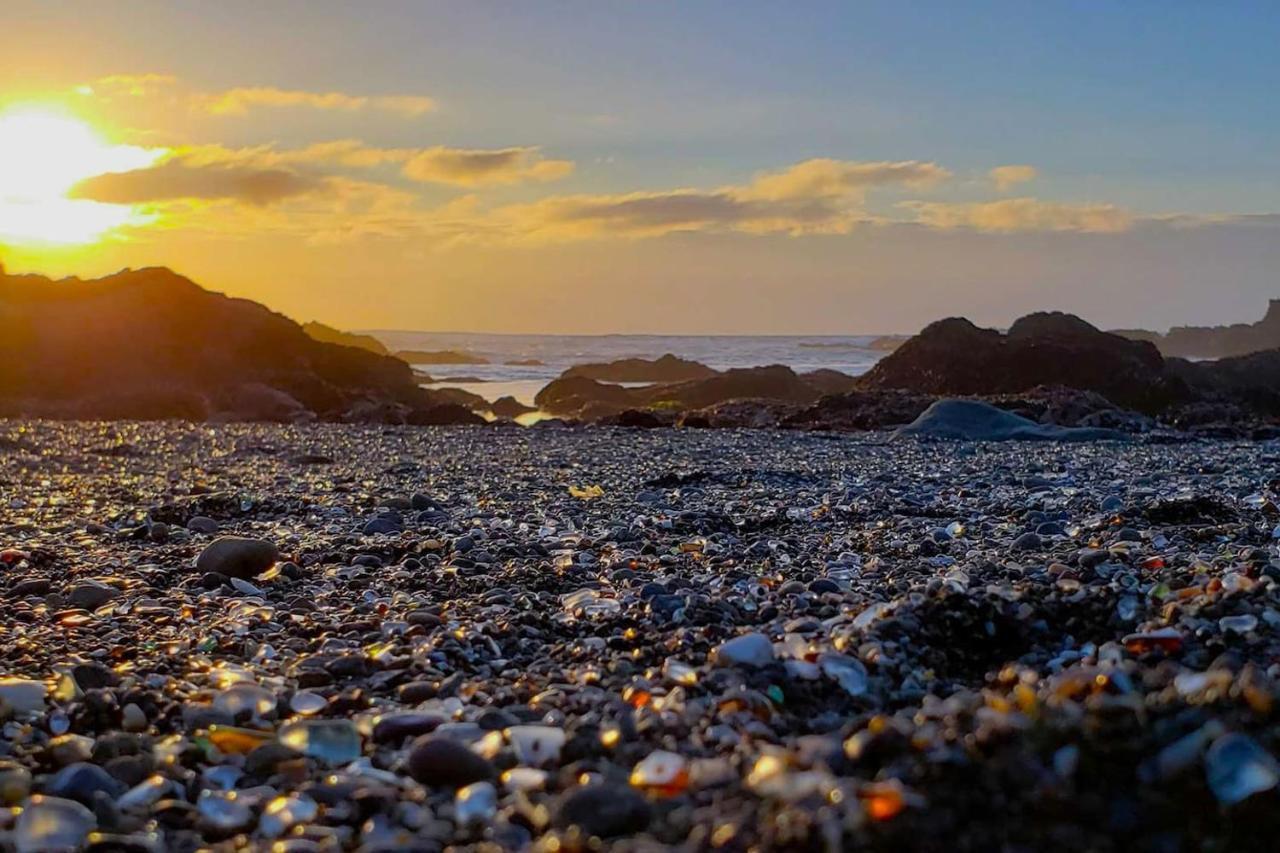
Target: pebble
x=23, y=695
x=442, y=762
x=237, y=557
x=747, y=650
x=800, y=641
x=49, y=824
x=604, y=810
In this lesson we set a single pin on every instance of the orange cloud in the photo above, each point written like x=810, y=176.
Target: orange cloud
x=820, y=196
x=826, y=178
x=1006, y=177
x=1015, y=215
x=240, y=100
x=477, y=166
x=465, y=167
x=174, y=180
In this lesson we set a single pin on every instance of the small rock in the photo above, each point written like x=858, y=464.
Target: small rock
x=237, y=557
x=604, y=810
x=747, y=650
x=439, y=762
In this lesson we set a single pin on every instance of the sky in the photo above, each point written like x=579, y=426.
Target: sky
x=695, y=167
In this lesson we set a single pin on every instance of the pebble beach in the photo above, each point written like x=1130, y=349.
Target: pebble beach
x=340, y=637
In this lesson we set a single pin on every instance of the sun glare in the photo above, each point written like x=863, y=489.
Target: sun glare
x=43, y=154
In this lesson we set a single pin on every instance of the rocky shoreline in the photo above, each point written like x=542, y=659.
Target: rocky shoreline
x=485, y=639
x=150, y=344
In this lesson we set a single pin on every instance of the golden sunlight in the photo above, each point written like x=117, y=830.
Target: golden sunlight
x=43, y=154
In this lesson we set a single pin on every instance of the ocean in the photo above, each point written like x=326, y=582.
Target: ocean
x=501, y=377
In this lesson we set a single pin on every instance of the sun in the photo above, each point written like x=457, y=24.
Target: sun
x=43, y=154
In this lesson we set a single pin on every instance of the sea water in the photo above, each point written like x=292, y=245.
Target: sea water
x=500, y=376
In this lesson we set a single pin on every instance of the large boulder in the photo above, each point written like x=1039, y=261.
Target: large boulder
x=588, y=399
x=1252, y=381
x=667, y=368
x=774, y=382
x=509, y=407
x=572, y=395
x=152, y=344
x=956, y=358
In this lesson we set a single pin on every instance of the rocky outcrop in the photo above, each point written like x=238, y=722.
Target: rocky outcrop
x=774, y=382
x=330, y=335
x=667, y=368
x=828, y=381
x=509, y=407
x=956, y=358
x=860, y=410
x=149, y=344
x=573, y=395
x=588, y=399
x=1216, y=341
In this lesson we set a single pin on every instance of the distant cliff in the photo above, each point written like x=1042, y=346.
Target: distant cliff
x=1215, y=341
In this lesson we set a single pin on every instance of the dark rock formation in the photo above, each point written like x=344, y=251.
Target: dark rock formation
x=639, y=418
x=668, y=368
x=330, y=335
x=569, y=396
x=739, y=414
x=1216, y=341
x=956, y=358
x=1070, y=407
x=439, y=357
x=774, y=382
x=591, y=400
x=149, y=344
x=510, y=407
x=860, y=410
x=828, y=381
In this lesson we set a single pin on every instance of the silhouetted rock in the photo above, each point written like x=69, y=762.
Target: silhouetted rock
x=774, y=382
x=510, y=407
x=150, y=344
x=639, y=418
x=828, y=381
x=668, y=368
x=974, y=420
x=439, y=357
x=956, y=358
x=1216, y=341
x=571, y=395
x=330, y=335
x=738, y=414
x=589, y=399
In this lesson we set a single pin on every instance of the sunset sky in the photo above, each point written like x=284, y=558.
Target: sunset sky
x=654, y=167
